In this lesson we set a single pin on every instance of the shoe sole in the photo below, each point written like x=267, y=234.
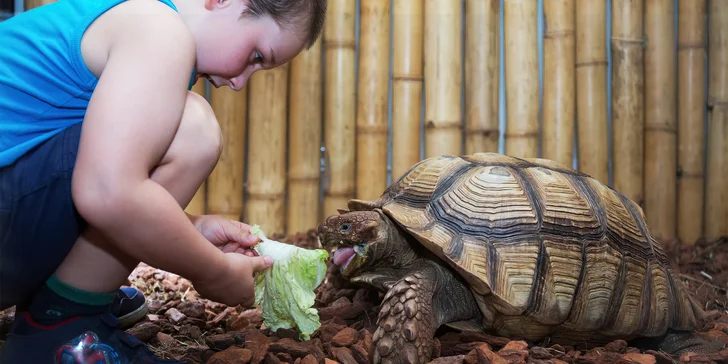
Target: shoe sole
x=133, y=317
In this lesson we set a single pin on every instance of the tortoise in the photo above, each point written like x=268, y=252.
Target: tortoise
x=523, y=248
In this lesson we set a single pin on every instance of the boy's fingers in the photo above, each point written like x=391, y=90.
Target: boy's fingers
x=261, y=262
x=244, y=237
x=249, y=252
x=230, y=248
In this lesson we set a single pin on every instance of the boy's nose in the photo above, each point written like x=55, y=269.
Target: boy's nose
x=238, y=83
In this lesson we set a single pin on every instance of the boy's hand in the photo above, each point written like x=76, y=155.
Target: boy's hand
x=230, y=236
x=236, y=286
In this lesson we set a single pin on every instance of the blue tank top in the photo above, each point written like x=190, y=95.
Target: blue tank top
x=44, y=84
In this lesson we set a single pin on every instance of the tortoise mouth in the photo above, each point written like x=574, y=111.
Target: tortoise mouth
x=350, y=257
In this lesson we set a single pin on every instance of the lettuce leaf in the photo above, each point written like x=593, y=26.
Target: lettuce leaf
x=286, y=289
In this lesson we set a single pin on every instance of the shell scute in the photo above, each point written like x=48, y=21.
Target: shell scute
x=566, y=208
x=620, y=220
x=598, y=277
x=486, y=201
x=563, y=264
x=515, y=270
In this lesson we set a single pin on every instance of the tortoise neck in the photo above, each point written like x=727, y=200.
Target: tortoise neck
x=397, y=251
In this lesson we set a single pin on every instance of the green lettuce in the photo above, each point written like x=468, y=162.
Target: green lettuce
x=286, y=289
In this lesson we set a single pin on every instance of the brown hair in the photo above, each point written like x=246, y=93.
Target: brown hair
x=310, y=14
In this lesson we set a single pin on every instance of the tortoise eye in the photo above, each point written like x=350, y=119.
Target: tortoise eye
x=345, y=227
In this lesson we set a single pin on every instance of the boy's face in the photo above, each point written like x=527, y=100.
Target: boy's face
x=230, y=47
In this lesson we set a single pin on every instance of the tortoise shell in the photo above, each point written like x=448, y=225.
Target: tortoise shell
x=546, y=250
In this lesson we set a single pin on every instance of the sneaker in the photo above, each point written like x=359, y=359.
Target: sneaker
x=82, y=339
x=129, y=306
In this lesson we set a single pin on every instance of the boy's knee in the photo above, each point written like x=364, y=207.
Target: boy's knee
x=200, y=131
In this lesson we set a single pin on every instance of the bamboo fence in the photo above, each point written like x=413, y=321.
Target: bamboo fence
x=559, y=98
x=628, y=110
x=591, y=88
x=521, y=59
x=660, y=70
x=716, y=187
x=407, y=76
x=692, y=56
x=634, y=93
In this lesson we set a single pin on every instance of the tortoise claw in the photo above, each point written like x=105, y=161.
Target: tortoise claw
x=406, y=323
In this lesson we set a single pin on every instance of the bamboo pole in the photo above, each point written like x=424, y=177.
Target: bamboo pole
x=372, y=129
x=521, y=59
x=559, y=81
x=304, y=140
x=591, y=89
x=482, y=73
x=225, y=183
x=716, y=188
x=407, y=28
x=266, y=187
x=660, y=118
x=31, y=4
x=692, y=36
x=443, y=78
x=339, y=108
x=628, y=98
x=197, y=204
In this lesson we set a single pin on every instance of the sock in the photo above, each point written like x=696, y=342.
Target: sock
x=57, y=301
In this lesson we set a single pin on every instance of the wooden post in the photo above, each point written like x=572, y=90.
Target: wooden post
x=591, y=89
x=482, y=75
x=31, y=4
x=692, y=38
x=443, y=78
x=628, y=98
x=559, y=81
x=716, y=187
x=304, y=140
x=521, y=65
x=197, y=204
x=407, y=28
x=372, y=129
x=660, y=118
x=225, y=184
x=339, y=108
x=265, y=197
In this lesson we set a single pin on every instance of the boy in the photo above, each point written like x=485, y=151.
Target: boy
x=102, y=145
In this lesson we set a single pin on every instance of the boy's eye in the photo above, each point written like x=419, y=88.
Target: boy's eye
x=258, y=57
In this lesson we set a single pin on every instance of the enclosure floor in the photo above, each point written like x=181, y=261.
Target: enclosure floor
x=183, y=326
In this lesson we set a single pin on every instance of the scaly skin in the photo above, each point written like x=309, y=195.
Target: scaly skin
x=422, y=293
x=406, y=322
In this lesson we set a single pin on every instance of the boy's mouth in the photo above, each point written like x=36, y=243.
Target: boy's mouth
x=205, y=75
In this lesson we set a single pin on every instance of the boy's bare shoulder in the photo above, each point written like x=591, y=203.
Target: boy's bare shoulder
x=150, y=22
x=149, y=28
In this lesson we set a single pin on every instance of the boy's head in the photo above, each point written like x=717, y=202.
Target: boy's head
x=238, y=37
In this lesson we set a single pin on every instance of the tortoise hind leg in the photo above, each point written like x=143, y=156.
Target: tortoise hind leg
x=676, y=343
x=414, y=308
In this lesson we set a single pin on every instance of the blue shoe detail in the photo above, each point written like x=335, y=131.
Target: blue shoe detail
x=86, y=339
x=86, y=348
x=129, y=306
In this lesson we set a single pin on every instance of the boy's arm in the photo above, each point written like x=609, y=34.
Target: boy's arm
x=130, y=122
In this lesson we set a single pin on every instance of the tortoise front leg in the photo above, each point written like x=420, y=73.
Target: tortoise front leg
x=414, y=308
x=406, y=322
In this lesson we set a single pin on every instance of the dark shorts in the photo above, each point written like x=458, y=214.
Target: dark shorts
x=38, y=221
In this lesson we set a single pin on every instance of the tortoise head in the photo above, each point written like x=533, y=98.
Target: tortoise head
x=351, y=235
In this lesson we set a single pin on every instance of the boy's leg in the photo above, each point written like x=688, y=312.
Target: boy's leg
x=96, y=266
x=93, y=270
